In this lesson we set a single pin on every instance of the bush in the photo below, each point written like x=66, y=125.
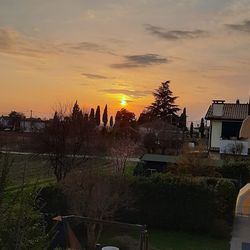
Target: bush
x=236, y=170
x=182, y=203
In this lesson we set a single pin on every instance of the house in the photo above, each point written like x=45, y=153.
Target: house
x=4, y=122
x=225, y=123
x=29, y=125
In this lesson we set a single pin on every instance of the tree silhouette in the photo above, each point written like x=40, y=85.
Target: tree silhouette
x=111, y=122
x=92, y=116
x=164, y=106
x=98, y=116
x=105, y=116
x=183, y=120
x=191, y=131
x=202, y=128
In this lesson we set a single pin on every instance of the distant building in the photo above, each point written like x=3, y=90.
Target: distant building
x=225, y=123
x=29, y=125
x=4, y=122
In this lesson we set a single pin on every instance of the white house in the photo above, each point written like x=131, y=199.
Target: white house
x=225, y=123
x=32, y=125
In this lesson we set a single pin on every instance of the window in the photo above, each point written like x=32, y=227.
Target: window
x=230, y=129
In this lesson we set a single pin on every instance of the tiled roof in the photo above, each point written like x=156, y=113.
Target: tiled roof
x=231, y=111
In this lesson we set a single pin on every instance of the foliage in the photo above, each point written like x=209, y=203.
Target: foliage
x=15, y=119
x=22, y=227
x=236, y=170
x=182, y=203
x=195, y=163
x=164, y=106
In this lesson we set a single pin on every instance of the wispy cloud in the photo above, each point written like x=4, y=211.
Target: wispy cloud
x=134, y=61
x=94, y=76
x=12, y=42
x=130, y=93
x=174, y=34
x=244, y=26
x=90, y=46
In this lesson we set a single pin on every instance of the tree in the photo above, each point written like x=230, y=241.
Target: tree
x=92, y=116
x=202, y=128
x=105, y=116
x=66, y=137
x=125, y=118
x=111, y=122
x=164, y=106
x=98, y=116
x=191, y=131
x=121, y=150
x=15, y=119
x=183, y=120
x=96, y=195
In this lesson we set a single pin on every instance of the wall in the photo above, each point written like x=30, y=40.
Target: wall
x=216, y=134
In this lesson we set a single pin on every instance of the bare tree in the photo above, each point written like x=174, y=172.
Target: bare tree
x=67, y=140
x=120, y=151
x=97, y=196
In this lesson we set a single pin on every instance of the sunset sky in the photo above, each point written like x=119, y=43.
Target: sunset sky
x=103, y=51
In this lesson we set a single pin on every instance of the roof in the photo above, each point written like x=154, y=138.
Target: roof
x=159, y=158
x=230, y=111
x=174, y=159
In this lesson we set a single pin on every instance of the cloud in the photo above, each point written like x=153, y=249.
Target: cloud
x=130, y=93
x=135, y=61
x=94, y=76
x=14, y=43
x=174, y=34
x=244, y=26
x=90, y=46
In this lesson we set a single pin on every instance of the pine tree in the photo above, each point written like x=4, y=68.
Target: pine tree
x=98, y=116
x=75, y=112
x=111, y=122
x=105, y=116
x=164, y=106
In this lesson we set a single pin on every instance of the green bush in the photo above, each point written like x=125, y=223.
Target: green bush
x=236, y=170
x=183, y=203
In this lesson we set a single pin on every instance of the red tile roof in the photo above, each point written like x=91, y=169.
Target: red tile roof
x=231, y=111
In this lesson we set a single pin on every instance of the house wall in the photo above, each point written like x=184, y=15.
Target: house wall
x=215, y=134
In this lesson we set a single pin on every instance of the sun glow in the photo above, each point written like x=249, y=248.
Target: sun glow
x=123, y=102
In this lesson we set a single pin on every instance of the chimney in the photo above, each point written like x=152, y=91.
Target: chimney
x=237, y=101
x=218, y=107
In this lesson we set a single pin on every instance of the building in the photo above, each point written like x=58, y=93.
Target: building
x=225, y=123
x=29, y=125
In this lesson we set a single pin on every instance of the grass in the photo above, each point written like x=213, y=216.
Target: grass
x=163, y=240
x=38, y=168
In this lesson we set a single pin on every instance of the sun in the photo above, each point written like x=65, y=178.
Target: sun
x=123, y=102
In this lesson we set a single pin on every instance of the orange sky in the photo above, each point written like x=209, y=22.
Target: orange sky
x=96, y=52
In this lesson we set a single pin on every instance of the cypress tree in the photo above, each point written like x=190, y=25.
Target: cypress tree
x=191, y=129
x=105, y=116
x=111, y=122
x=98, y=116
